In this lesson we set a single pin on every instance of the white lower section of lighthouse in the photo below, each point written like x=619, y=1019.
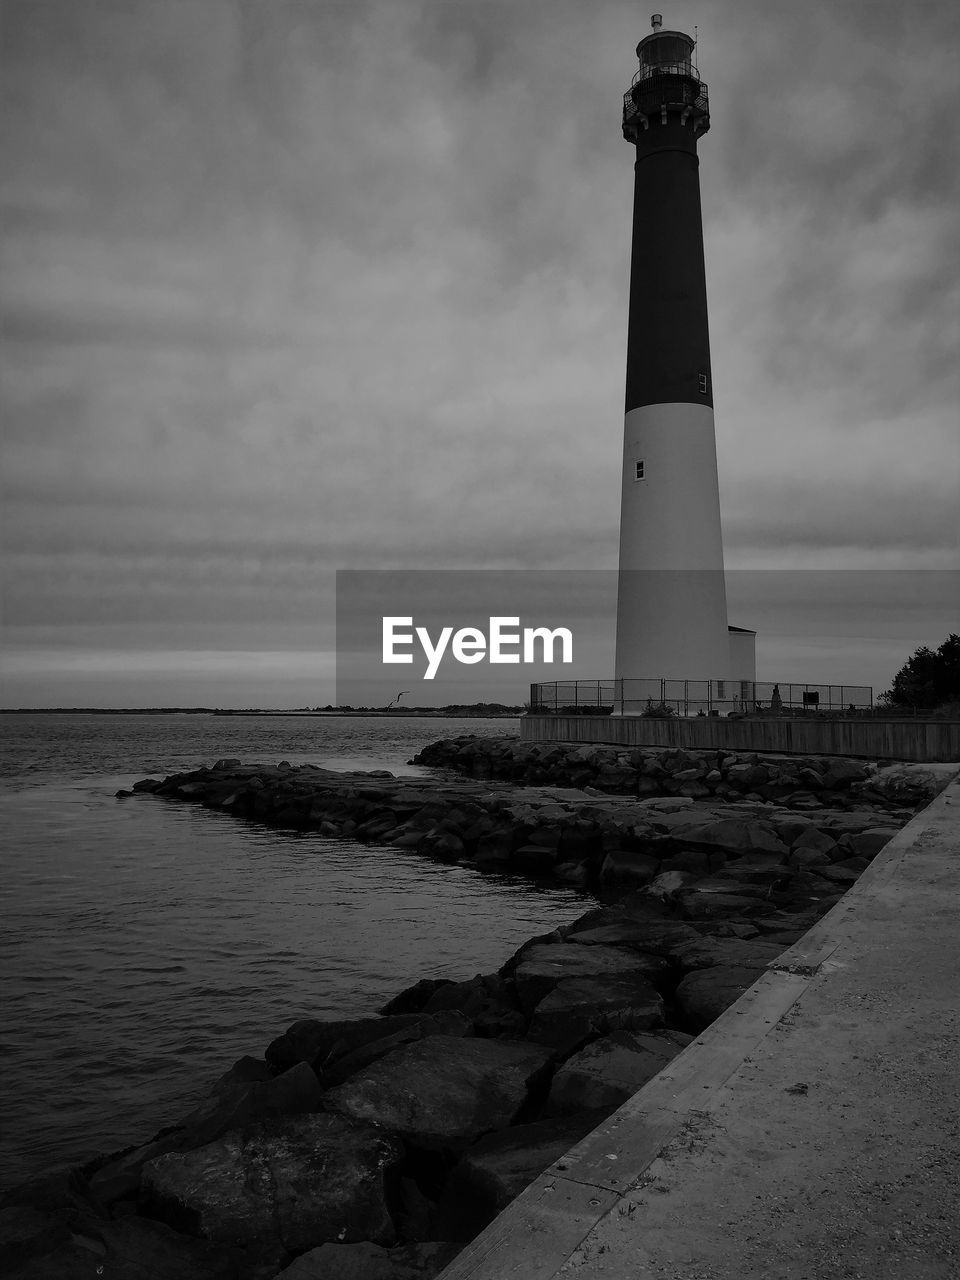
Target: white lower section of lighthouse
x=671, y=606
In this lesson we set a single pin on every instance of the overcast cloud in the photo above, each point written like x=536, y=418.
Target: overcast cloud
x=298, y=285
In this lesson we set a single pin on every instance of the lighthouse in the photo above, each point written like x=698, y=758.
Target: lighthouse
x=671, y=605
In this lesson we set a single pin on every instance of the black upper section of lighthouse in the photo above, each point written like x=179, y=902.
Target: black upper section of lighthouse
x=665, y=111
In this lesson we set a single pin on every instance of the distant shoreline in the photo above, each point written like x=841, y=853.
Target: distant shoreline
x=478, y=711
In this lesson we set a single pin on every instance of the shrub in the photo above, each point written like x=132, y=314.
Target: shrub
x=657, y=710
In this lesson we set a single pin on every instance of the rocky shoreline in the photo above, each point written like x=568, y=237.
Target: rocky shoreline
x=374, y=1148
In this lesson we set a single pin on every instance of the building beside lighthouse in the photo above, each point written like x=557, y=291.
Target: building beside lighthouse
x=671, y=604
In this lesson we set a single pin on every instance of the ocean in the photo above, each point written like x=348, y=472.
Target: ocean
x=146, y=945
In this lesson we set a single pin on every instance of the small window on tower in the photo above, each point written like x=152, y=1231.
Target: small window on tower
x=639, y=472
x=703, y=384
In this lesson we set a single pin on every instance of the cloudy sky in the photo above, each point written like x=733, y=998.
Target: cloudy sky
x=293, y=286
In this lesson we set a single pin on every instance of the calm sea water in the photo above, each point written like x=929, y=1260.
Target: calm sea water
x=146, y=945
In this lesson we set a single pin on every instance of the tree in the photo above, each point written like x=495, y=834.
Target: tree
x=928, y=679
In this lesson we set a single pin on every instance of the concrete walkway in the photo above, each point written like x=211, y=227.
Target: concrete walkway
x=811, y=1133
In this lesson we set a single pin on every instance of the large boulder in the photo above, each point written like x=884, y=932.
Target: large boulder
x=838, y=823
x=706, y=952
x=341, y=1066
x=734, y=836
x=747, y=776
x=867, y=844
x=303, y=1180
x=655, y=937
x=805, y=857
x=445, y=1092
x=844, y=873
x=797, y=921
x=607, y=1072
x=697, y=862
x=663, y=804
x=335, y=1049
x=246, y=1093
x=907, y=784
x=838, y=772
x=412, y=999
x=118, y=1176
x=704, y=994
x=790, y=826
x=372, y=1262
x=721, y=901
x=628, y=867
x=313, y=1040
x=665, y=888
x=747, y=876
x=498, y=1167
x=814, y=838
x=578, y=1008
x=238, y=1102
x=544, y=965
x=487, y=1001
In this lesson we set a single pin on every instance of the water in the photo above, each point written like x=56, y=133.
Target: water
x=147, y=944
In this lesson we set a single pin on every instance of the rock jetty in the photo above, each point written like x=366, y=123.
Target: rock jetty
x=802, y=782
x=374, y=1148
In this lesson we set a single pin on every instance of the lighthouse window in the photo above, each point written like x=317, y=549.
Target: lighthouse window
x=703, y=384
x=639, y=473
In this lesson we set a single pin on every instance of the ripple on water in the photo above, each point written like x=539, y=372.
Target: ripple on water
x=150, y=945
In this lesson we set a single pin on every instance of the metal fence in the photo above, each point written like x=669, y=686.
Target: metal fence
x=666, y=698
x=663, y=87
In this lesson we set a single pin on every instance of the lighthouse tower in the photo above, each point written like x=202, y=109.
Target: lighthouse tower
x=671, y=607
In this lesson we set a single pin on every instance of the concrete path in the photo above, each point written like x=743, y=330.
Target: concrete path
x=811, y=1133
